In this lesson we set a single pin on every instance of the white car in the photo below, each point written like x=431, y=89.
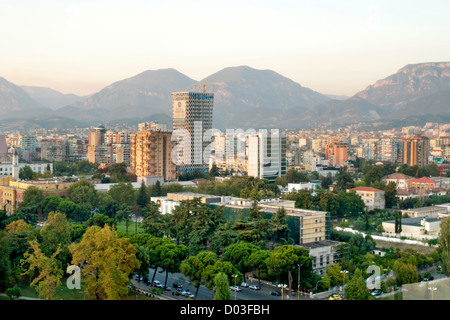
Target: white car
x=254, y=287
x=189, y=294
x=235, y=288
x=244, y=284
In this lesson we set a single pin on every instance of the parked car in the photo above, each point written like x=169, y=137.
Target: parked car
x=177, y=285
x=254, y=287
x=235, y=288
x=244, y=284
x=156, y=283
x=189, y=294
x=376, y=293
x=167, y=288
x=428, y=278
x=334, y=296
x=275, y=293
x=180, y=292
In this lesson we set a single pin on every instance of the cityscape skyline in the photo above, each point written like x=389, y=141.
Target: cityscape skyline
x=329, y=47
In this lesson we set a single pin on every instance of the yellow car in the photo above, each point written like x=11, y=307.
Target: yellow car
x=334, y=296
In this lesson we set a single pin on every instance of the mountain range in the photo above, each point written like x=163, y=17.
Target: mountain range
x=244, y=97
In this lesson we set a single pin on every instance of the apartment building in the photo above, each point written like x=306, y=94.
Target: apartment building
x=373, y=198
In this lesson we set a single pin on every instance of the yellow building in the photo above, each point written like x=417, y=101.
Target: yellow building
x=12, y=192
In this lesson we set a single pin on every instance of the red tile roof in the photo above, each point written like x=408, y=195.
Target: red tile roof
x=422, y=180
x=367, y=189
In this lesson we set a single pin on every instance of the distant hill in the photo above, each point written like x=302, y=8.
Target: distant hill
x=244, y=97
x=410, y=82
x=151, y=89
x=14, y=98
x=265, y=90
x=50, y=98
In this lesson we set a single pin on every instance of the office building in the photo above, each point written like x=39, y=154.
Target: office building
x=192, y=116
x=266, y=155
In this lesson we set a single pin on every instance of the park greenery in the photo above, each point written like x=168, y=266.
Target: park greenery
x=198, y=240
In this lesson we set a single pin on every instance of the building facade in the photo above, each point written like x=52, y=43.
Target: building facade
x=192, y=117
x=373, y=198
x=416, y=150
x=151, y=154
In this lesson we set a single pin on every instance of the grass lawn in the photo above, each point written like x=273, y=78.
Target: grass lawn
x=121, y=226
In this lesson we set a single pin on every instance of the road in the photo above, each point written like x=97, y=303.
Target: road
x=206, y=294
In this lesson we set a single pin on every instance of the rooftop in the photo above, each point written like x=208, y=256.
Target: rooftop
x=367, y=189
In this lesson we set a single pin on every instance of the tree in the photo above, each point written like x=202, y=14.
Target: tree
x=5, y=262
x=83, y=193
x=356, y=288
x=26, y=173
x=238, y=254
x=156, y=189
x=142, y=198
x=390, y=195
x=107, y=262
x=444, y=244
x=194, y=267
x=32, y=203
x=257, y=261
x=100, y=220
x=14, y=292
x=405, y=273
x=55, y=234
x=344, y=180
x=123, y=193
x=49, y=272
x=170, y=257
x=154, y=222
x=279, y=227
x=222, y=287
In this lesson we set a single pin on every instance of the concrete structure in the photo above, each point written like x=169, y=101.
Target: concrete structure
x=336, y=153
x=399, y=179
x=102, y=154
x=416, y=150
x=192, y=117
x=421, y=183
x=421, y=228
x=373, y=198
x=326, y=252
x=12, y=193
x=267, y=155
x=151, y=154
x=432, y=212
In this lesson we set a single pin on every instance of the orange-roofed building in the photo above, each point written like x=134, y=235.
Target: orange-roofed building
x=373, y=198
x=423, y=183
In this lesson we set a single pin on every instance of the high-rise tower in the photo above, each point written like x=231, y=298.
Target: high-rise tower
x=192, y=116
x=416, y=150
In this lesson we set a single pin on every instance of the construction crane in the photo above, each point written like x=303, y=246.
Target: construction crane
x=203, y=85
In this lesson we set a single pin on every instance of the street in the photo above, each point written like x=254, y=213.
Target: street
x=206, y=294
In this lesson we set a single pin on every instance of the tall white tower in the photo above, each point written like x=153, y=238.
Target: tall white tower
x=15, y=165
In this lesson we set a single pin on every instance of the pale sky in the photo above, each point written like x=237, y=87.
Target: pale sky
x=330, y=46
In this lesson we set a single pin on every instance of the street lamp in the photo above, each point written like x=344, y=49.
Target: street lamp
x=432, y=290
x=343, y=283
x=282, y=287
x=235, y=277
x=298, y=286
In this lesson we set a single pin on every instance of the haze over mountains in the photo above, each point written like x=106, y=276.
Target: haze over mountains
x=246, y=98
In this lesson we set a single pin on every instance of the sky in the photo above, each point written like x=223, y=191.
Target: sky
x=330, y=46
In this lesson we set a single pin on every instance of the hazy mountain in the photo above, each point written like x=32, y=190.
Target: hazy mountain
x=150, y=90
x=250, y=88
x=14, y=98
x=410, y=82
x=43, y=121
x=51, y=98
x=434, y=104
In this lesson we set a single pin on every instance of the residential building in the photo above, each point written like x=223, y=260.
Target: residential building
x=399, y=179
x=325, y=253
x=416, y=150
x=420, y=228
x=373, y=198
x=150, y=154
x=423, y=183
x=336, y=153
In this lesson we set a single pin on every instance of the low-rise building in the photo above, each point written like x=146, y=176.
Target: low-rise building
x=12, y=194
x=420, y=228
x=373, y=198
x=399, y=179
